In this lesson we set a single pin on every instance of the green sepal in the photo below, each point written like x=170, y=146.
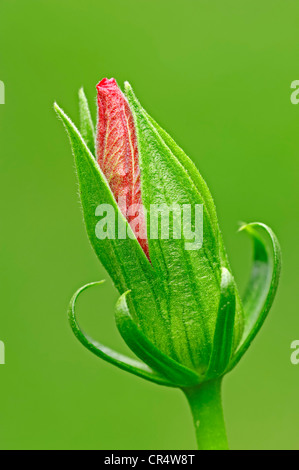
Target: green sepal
x=176, y=373
x=224, y=330
x=168, y=175
x=123, y=258
x=192, y=284
x=262, y=285
x=86, y=125
x=164, y=179
x=119, y=360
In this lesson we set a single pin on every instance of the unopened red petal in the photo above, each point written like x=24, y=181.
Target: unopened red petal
x=117, y=154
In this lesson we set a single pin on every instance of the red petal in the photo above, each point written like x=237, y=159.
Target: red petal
x=117, y=153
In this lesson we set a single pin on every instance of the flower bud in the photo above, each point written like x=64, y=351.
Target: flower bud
x=158, y=237
x=188, y=271
x=179, y=309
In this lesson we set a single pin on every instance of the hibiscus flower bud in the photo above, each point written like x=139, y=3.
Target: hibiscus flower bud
x=179, y=309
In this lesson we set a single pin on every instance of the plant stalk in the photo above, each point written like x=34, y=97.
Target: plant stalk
x=206, y=407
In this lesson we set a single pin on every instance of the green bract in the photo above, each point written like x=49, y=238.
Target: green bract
x=181, y=313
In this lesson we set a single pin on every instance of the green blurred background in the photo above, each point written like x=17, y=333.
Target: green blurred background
x=217, y=76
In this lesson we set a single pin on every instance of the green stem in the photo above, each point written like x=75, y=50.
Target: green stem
x=206, y=408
